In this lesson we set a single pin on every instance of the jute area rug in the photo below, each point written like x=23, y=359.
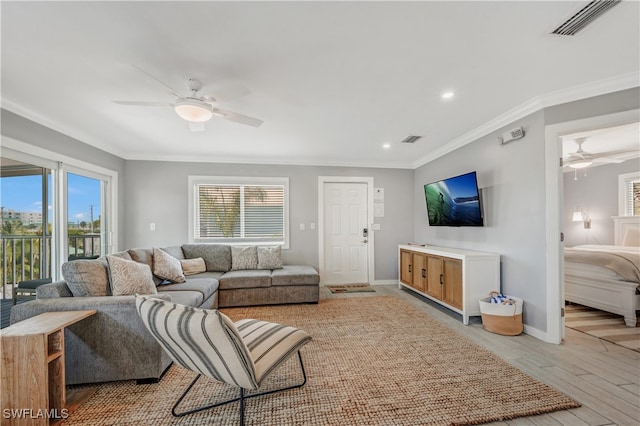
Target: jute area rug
x=603, y=325
x=372, y=361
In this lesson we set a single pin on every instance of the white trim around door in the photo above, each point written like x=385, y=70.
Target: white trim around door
x=371, y=244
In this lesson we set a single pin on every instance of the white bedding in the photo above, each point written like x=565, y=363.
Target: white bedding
x=625, y=261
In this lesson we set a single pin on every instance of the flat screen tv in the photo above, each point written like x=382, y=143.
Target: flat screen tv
x=454, y=201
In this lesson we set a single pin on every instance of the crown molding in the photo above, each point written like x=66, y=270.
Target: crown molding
x=262, y=161
x=60, y=127
x=571, y=94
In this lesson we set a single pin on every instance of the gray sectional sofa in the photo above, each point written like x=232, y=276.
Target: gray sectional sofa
x=114, y=344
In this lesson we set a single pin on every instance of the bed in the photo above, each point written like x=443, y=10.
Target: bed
x=607, y=277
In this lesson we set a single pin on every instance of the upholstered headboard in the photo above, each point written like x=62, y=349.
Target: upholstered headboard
x=626, y=230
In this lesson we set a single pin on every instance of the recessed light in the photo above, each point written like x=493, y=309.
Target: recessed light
x=447, y=95
x=386, y=146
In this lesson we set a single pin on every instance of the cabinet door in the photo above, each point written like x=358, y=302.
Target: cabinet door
x=406, y=274
x=420, y=271
x=434, y=276
x=452, y=283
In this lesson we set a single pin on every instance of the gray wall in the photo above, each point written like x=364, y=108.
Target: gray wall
x=511, y=181
x=513, y=187
x=597, y=194
x=157, y=192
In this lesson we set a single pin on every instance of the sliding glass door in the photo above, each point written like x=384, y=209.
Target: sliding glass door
x=25, y=223
x=50, y=213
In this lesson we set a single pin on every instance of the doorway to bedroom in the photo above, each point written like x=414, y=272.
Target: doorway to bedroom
x=600, y=201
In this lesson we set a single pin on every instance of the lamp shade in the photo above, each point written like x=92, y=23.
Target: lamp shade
x=192, y=110
x=577, y=217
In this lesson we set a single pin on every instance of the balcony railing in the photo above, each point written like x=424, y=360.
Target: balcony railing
x=26, y=257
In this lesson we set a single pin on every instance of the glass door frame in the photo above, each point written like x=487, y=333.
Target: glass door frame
x=61, y=164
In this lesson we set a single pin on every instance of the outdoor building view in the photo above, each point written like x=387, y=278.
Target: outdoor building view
x=27, y=223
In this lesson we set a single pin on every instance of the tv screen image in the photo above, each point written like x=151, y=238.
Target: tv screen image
x=454, y=201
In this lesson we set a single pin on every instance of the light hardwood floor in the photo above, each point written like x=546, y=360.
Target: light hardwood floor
x=603, y=377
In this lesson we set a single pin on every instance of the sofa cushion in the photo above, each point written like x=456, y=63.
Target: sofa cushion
x=186, y=298
x=129, y=277
x=144, y=255
x=193, y=266
x=167, y=267
x=217, y=257
x=206, y=286
x=249, y=278
x=87, y=277
x=175, y=251
x=244, y=257
x=295, y=275
x=269, y=257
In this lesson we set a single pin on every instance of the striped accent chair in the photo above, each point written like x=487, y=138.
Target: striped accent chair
x=206, y=341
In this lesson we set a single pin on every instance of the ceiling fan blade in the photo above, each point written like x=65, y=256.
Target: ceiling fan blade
x=238, y=118
x=196, y=127
x=231, y=92
x=137, y=103
x=607, y=160
x=612, y=153
x=173, y=92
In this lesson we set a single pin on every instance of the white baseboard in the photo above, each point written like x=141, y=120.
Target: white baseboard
x=384, y=282
x=537, y=333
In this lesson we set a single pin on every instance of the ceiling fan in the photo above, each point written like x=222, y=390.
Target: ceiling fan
x=196, y=109
x=581, y=158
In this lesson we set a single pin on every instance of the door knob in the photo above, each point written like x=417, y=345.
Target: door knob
x=365, y=241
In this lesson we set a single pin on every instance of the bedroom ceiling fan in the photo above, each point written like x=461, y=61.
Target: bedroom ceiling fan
x=582, y=159
x=196, y=109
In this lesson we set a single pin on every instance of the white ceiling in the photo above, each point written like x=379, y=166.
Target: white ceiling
x=333, y=81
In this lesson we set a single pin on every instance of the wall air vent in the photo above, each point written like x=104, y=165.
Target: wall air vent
x=584, y=17
x=410, y=139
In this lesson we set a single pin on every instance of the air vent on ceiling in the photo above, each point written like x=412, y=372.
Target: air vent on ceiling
x=584, y=16
x=410, y=139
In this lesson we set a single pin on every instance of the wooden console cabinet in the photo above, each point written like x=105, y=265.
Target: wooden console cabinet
x=453, y=278
x=33, y=385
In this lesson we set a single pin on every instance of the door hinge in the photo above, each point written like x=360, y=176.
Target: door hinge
x=562, y=312
x=562, y=237
x=561, y=162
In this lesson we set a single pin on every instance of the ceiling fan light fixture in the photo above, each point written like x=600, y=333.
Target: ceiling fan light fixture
x=580, y=164
x=194, y=111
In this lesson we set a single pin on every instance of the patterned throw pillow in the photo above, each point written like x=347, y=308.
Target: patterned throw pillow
x=244, y=258
x=193, y=266
x=167, y=267
x=270, y=257
x=130, y=277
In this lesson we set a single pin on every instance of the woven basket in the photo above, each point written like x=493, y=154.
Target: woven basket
x=502, y=318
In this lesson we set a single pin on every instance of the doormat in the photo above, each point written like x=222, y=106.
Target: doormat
x=603, y=325
x=351, y=288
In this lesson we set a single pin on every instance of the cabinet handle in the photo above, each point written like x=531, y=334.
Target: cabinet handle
x=409, y=268
x=424, y=272
x=441, y=279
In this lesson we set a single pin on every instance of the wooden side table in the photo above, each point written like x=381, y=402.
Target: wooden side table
x=33, y=381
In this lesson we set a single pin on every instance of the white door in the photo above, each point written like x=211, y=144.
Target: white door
x=345, y=233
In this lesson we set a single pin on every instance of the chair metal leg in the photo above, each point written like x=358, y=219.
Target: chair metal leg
x=242, y=397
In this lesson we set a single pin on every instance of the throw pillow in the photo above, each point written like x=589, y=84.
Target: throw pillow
x=193, y=266
x=86, y=277
x=167, y=267
x=270, y=257
x=244, y=257
x=129, y=277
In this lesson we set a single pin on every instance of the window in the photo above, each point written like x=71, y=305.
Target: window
x=629, y=194
x=239, y=210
